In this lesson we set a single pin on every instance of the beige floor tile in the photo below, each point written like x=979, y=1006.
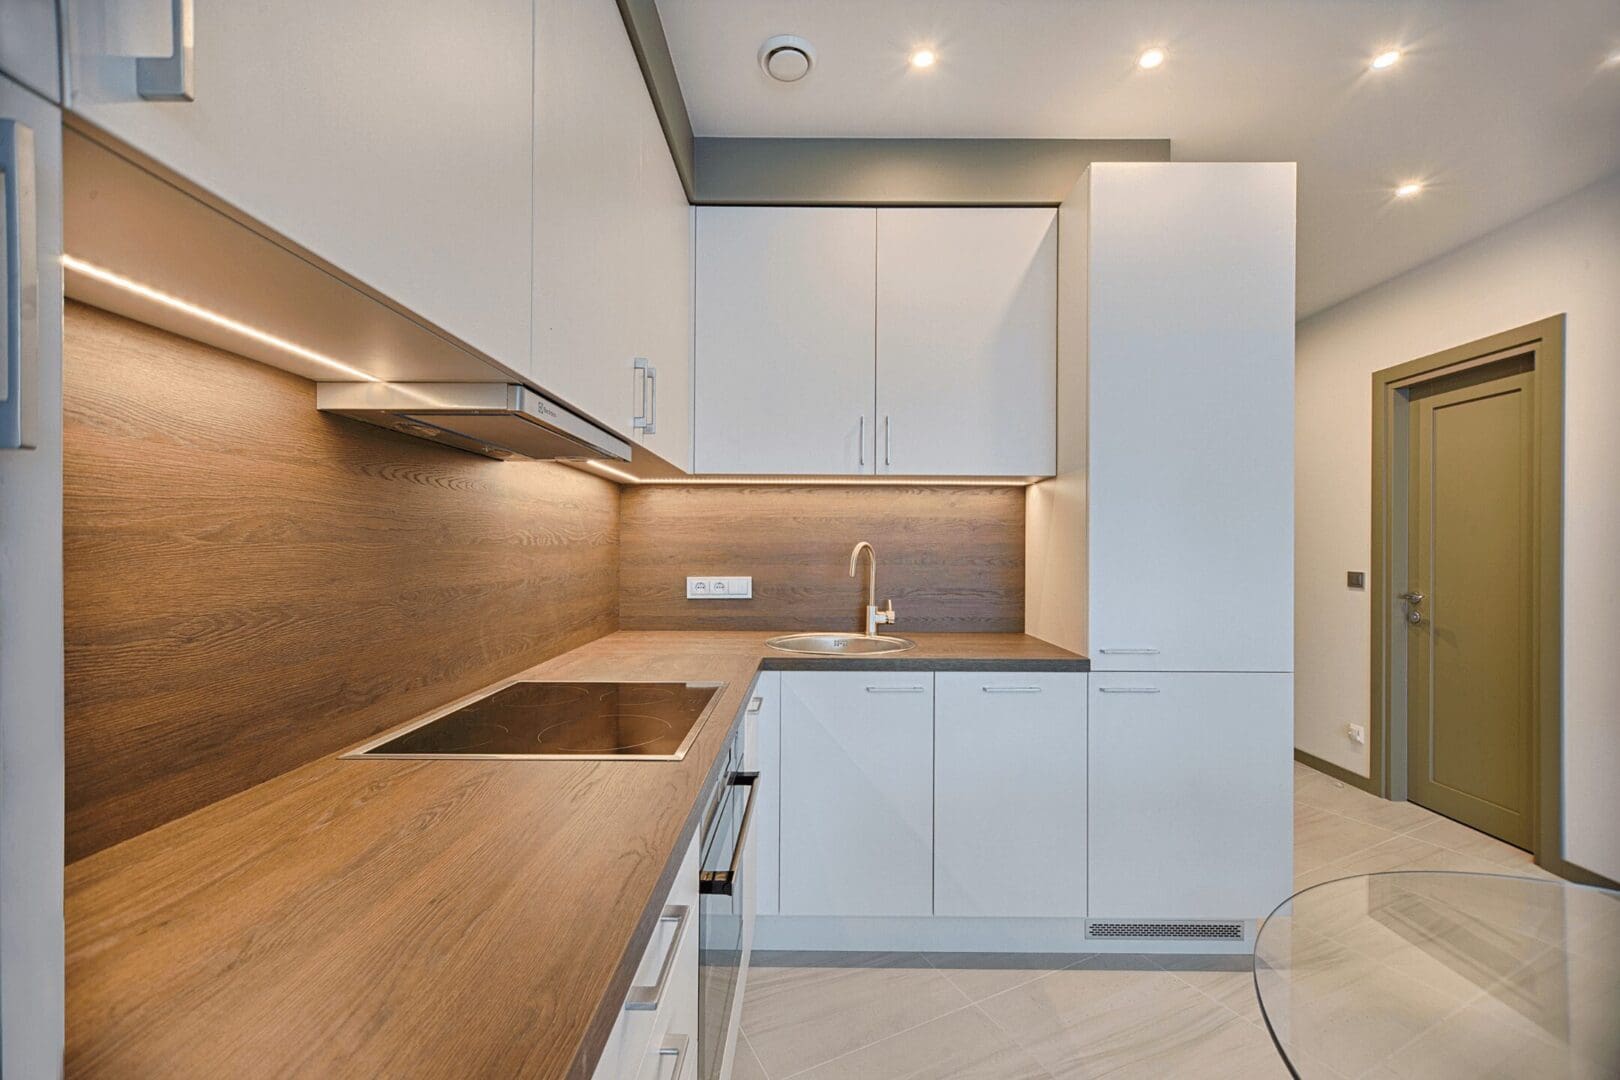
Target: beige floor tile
x=800, y=1012
x=1322, y=837
x=1329, y=794
x=746, y=1066
x=963, y=1045
x=1089, y=1021
x=980, y=975
x=1446, y=833
x=1228, y=979
x=1235, y=1050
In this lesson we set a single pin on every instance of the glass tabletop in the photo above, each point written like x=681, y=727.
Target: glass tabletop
x=1436, y=974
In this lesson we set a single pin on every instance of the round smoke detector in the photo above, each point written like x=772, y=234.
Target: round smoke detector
x=787, y=58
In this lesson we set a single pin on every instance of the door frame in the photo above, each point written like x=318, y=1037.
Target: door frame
x=1544, y=342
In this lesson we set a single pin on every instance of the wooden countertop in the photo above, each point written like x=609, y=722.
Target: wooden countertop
x=414, y=918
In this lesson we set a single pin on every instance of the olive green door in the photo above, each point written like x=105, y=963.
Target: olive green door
x=1469, y=604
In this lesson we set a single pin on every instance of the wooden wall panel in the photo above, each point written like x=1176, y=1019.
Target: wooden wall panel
x=251, y=584
x=952, y=558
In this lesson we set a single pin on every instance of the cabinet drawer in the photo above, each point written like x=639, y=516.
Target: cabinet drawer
x=1010, y=794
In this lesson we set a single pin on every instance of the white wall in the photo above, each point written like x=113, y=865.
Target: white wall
x=1562, y=259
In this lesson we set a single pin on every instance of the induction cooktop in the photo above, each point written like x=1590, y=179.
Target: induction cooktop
x=606, y=721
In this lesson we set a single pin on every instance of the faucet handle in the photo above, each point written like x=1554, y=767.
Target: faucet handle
x=887, y=614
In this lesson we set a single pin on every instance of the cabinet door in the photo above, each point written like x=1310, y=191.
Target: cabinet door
x=857, y=793
x=1009, y=794
x=762, y=753
x=1191, y=369
x=784, y=356
x=1191, y=779
x=28, y=46
x=612, y=230
x=967, y=342
x=391, y=138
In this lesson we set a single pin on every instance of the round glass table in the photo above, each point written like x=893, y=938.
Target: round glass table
x=1435, y=974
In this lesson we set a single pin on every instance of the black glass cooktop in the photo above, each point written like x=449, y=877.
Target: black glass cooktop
x=564, y=720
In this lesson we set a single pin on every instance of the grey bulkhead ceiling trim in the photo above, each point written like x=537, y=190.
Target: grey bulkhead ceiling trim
x=863, y=172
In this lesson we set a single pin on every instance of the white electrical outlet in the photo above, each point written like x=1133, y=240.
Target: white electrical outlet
x=1357, y=733
x=719, y=588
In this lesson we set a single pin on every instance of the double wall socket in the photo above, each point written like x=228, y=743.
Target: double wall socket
x=719, y=588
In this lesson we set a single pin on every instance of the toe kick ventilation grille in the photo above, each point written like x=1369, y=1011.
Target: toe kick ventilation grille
x=1219, y=931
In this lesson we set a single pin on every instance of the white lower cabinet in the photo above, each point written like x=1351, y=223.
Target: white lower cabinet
x=660, y=1014
x=1010, y=794
x=1191, y=795
x=763, y=754
x=857, y=781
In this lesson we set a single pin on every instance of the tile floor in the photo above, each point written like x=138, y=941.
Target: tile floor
x=935, y=1016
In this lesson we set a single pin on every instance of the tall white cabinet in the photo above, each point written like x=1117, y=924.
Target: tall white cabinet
x=389, y=137
x=1170, y=526
x=861, y=342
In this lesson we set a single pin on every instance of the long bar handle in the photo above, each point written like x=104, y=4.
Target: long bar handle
x=724, y=882
x=1130, y=652
x=1011, y=689
x=674, y=1050
x=172, y=77
x=1128, y=689
x=648, y=998
x=888, y=441
x=894, y=689
x=19, y=285
x=646, y=421
x=861, y=441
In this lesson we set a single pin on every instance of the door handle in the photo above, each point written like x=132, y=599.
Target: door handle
x=1129, y=652
x=648, y=998
x=888, y=441
x=646, y=421
x=19, y=285
x=724, y=882
x=1011, y=689
x=1127, y=689
x=1413, y=598
x=172, y=77
x=894, y=689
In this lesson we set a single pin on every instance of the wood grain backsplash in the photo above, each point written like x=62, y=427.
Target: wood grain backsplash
x=251, y=584
x=952, y=558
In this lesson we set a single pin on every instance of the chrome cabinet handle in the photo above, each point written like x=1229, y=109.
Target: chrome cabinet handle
x=1130, y=652
x=724, y=882
x=1011, y=689
x=674, y=1049
x=646, y=421
x=172, y=77
x=1128, y=689
x=648, y=998
x=19, y=285
x=888, y=441
x=894, y=689
x=861, y=441
x=756, y=704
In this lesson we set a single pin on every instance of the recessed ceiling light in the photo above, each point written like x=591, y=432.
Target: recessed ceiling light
x=1409, y=189
x=1386, y=59
x=923, y=58
x=1150, y=59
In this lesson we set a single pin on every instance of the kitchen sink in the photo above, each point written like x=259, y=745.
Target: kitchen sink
x=840, y=644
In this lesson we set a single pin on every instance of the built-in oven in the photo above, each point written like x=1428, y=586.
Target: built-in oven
x=725, y=912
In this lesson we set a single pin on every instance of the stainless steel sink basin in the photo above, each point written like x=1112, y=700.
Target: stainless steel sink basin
x=840, y=644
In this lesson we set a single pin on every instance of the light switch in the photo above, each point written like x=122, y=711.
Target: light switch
x=719, y=588
x=1355, y=579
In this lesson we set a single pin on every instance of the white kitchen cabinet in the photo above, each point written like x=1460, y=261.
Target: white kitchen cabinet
x=1191, y=795
x=967, y=342
x=391, y=138
x=1186, y=307
x=1010, y=794
x=784, y=340
x=28, y=46
x=857, y=793
x=762, y=753
x=612, y=233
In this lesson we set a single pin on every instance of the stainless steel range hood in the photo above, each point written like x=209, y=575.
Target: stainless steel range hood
x=501, y=421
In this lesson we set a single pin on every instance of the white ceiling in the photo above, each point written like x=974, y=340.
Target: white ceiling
x=1499, y=106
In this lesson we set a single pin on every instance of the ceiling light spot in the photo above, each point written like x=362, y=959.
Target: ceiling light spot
x=923, y=58
x=1409, y=189
x=1150, y=59
x=1386, y=59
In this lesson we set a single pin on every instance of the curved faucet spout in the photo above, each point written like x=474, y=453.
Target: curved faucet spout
x=871, y=577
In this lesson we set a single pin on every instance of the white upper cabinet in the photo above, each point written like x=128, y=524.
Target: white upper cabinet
x=1187, y=304
x=966, y=342
x=391, y=138
x=784, y=340
x=612, y=233
x=28, y=46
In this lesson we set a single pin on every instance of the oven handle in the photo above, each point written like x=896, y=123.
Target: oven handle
x=724, y=882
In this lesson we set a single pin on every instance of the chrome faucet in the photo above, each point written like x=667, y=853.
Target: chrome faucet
x=874, y=617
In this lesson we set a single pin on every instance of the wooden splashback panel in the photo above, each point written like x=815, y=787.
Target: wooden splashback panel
x=251, y=584
x=952, y=558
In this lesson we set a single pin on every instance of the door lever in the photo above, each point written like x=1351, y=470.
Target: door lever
x=1413, y=599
